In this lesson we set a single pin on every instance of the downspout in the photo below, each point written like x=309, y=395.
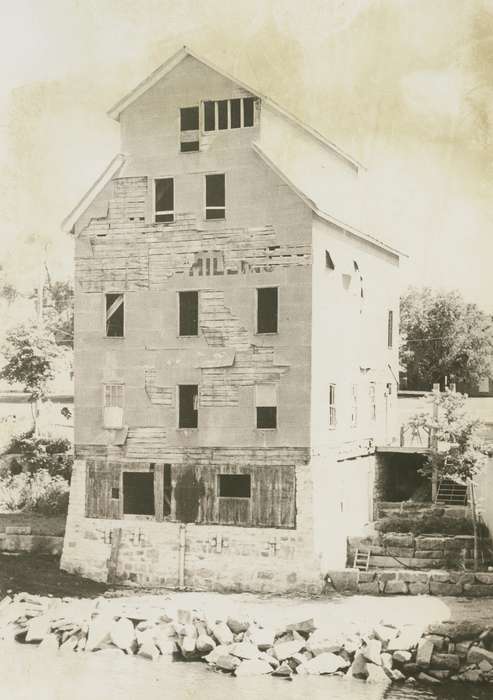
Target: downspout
x=181, y=560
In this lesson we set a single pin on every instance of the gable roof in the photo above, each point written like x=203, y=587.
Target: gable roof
x=69, y=222
x=314, y=206
x=185, y=51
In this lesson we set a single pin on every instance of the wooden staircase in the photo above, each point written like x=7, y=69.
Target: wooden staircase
x=451, y=493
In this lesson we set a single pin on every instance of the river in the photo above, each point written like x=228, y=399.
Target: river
x=28, y=673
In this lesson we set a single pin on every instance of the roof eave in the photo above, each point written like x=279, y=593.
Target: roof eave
x=323, y=214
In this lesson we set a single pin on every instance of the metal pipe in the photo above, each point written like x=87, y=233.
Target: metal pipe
x=181, y=562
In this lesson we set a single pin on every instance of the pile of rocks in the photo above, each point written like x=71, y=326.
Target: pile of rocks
x=381, y=653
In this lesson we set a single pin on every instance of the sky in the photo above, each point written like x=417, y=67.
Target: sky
x=406, y=86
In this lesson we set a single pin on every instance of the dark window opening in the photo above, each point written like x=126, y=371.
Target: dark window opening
x=390, y=329
x=209, y=116
x=222, y=114
x=248, y=107
x=267, y=417
x=115, y=315
x=164, y=200
x=189, y=119
x=329, y=263
x=188, y=146
x=189, y=313
x=215, y=196
x=267, y=310
x=234, y=485
x=235, y=114
x=115, y=493
x=138, y=493
x=188, y=395
x=167, y=490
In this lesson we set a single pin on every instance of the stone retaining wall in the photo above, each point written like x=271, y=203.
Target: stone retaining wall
x=19, y=539
x=395, y=550
x=406, y=582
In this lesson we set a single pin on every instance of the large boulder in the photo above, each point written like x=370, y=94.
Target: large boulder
x=372, y=650
x=283, y=650
x=99, y=632
x=253, y=667
x=222, y=633
x=122, y=633
x=38, y=628
x=237, y=625
x=245, y=650
x=324, y=664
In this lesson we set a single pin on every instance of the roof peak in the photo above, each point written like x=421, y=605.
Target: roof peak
x=185, y=51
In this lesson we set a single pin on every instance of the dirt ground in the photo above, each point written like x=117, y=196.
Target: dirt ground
x=41, y=575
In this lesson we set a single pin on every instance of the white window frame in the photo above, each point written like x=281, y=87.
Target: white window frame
x=109, y=386
x=275, y=389
x=155, y=212
x=242, y=99
x=332, y=407
x=206, y=208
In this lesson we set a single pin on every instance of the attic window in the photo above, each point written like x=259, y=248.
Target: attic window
x=329, y=263
x=189, y=129
x=229, y=114
x=115, y=315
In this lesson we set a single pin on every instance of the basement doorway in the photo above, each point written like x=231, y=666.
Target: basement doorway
x=398, y=478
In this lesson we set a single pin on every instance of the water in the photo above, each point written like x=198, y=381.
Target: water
x=27, y=673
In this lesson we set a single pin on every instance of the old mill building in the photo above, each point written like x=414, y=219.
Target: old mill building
x=235, y=349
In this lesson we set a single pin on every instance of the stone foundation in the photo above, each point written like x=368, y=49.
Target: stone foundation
x=142, y=552
x=440, y=583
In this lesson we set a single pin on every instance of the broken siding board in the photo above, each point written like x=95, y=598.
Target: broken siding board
x=159, y=491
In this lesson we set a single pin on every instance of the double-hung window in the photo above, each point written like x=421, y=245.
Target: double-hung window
x=215, y=196
x=115, y=315
x=164, y=200
x=189, y=129
x=267, y=309
x=266, y=406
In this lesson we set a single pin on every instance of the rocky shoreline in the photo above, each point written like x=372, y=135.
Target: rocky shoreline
x=381, y=653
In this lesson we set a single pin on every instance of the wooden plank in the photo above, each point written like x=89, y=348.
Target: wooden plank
x=159, y=492
x=116, y=538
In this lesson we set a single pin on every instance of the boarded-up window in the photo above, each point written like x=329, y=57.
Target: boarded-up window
x=188, y=414
x=164, y=200
x=215, y=196
x=115, y=315
x=267, y=310
x=257, y=496
x=102, y=489
x=266, y=406
x=188, y=313
x=209, y=115
x=138, y=493
x=235, y=114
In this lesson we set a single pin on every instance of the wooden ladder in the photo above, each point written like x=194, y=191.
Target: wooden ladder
x=361, y=560
x=451, y=493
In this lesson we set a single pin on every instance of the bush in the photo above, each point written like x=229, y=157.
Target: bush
x=40, y=492
x=36, y=453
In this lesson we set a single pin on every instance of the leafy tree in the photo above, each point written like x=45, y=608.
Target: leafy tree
x=29, y=353
x=58, y=309
x=457, y=452
x=444, y=336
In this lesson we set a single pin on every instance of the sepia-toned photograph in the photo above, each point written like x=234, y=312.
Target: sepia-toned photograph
x=246, y=349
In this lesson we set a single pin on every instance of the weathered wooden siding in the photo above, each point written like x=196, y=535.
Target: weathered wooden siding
x=194, y=496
